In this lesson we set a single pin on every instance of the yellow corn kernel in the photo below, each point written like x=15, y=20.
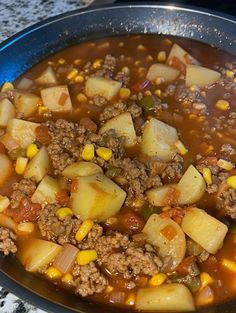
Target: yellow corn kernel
x=201, y=118
x=157, y=279
x=159, y=80
x=147, y=93
x=88, y=152
x=79, y=79
x=42, y=109
x=109, y=289
x=63, y=212
x=192, y=116
x=72, y=74
x=205, y=279
x=161, y=57
x=225, y=165
x=235, y=80
x=104, y=153
x=67, y=279
x=231, y=180
x=53, y=273
x=125, y=70
x=25, y=227
x=141, y=48
x=31, y=150
x=230, y=265
x=137, y=63
x=222, y=105
x=61, y=61
x=181, y=148
x=4, y=203
x=131, y=299
x=149, y=58
x=125, y=93
x=97, y=64
x=193, y=88
x=86, y=256
x=157, y=93
x=77, y=61
x=81, y=97
x=206, y=172
x=84, y=230
x=21, y=164
x=7, y=87
x=229, y=74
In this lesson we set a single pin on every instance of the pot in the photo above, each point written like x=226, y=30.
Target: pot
x=30, y=46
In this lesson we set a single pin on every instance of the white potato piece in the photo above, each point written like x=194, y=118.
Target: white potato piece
x=46, y=191
x=163, y=196
x=23, y=132
x=35, y=253
x=99, y=86
x=160, y=70
x=191, y=186
x=7, y=112
x=39, y=166
x=6, y=168
x=24, y=84
x=81, y=168
x=123, y=125
x=204, y=229
x=7, y=222
x=56, y=99
x=158, y=140
x=200, y=76
x=26, y=103
x=97, y=197
x=181, y=54
x=167, y=297
x=47, y=77
x=168, y=237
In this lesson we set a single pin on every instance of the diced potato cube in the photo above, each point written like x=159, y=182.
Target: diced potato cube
x=123, y=125
x=7, y=112
x=160, y=70
x=56, y=99
x=204, y=229
x=97, y=197
x=39, y=165
x=6, y=168
x=47, y=77
x=181, y=54
x=81, y=168
x=24, y=84
x=99, y=86
x=159, y=140
x=167, y=297
x=7, y=222
x=200, y=76
x=26, y=103
x=169, y=239
x=163, y=196
x=23, y=132
x=34, y=253
x=46, y=191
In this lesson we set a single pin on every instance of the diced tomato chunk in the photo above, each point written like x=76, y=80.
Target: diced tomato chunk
x=42, y=134
x=26, y=212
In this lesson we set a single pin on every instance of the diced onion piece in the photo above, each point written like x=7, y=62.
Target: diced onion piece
x=200, y=76
x=205, y=296
x=64, y=261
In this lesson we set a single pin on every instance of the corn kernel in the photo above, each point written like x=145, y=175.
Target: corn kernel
x=229, y=74
x=7, y=87
x=109, y=289
x=88, y=152
x=137, y=63
x=205, y=279
x=157, y=279
x=161, y=57
x=147, y=93
x=104, y=153
x=42, y=109
x=206, y=172
x=225, y=165
x=67, y=279
x=125, y=70
x=201, y=118
x=193, y=88
x=131, y=299
x=231, y=181
x=181, y=148
x=86, y=256
x=25, y=227
x=149, y=58
x=230, y=265
x=235, y=80
x=53, y=273
x=84, y=230
x=125, y=93
x=192, y=116
x=77, y=61
x=81, y=97
x=21, y=164
x=97, y=64
x=222, y=105
x=31, y=150
x=4, y=203
x=159, y=80
x=72, y=74
x=79, y=79
x=63, y=212
x=158, y=93
x=141, y=48
x=61, y=61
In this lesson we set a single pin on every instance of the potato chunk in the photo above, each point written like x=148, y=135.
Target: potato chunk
x=7, y=112
x=96, y=197
x=169, y=239
x=167, y=297
x=200, y=76
x=23, y=132
x=99, y=86
x=47, y=77
x=81, y=168
x=163, y=196
x=159, y=140
x=181, y=54
x=159, y=70
x=46, y=191
x=6, y=168
x=204, y=229
x=123, y=125
x=39, y=166
x=57, y=99
x=35, y=253
x=26, y=103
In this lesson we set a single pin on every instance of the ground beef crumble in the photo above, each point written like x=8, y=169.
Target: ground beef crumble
x=7, y=241
x=226, y=202
x=22, y=189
